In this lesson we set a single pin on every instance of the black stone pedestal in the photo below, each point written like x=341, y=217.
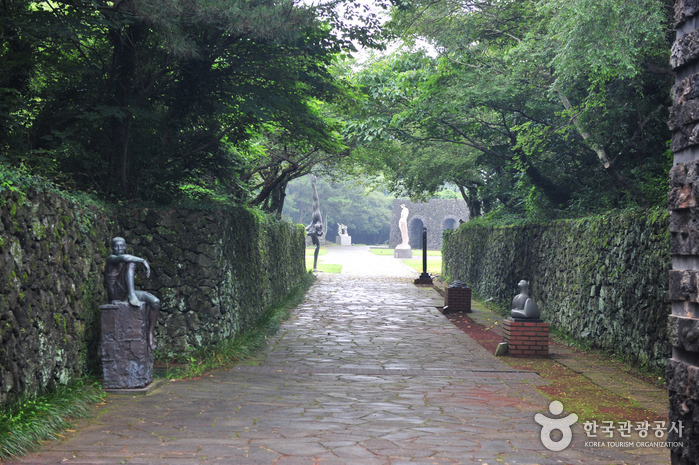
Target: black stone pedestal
x=127, y=360
x=424, y=279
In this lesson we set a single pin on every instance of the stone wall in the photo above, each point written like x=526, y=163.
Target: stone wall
x=214, y=271
x=683, y=368
x=602, y=280
x=51, y=257
x=432, y=215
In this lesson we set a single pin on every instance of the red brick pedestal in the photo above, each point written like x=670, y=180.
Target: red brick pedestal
x=526, y=338
x=458, y=299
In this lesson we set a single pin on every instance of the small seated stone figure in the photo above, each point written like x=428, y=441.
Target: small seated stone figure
x=119, y=272
x=522, y=305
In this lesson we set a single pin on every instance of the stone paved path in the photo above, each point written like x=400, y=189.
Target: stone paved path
x=367, y=371
x=358, y=261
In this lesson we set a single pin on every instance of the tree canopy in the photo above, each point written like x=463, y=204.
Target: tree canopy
x=147, y=99
x=541, y=107
x=532, y=108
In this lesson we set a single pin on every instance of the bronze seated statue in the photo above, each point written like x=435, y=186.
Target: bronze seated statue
x=119, y=272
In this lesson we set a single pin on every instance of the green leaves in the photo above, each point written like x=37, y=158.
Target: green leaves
x=605, y=39
x=34, y=419
x=154, y=100
x=535, y=107
x=158, y=99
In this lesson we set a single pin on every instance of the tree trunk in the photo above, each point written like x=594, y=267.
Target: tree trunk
x=124, y=43
x=474, y=207
x=277, y=199
x=555, y=194
x=125, y=136
x=471, y=199
x=272, y=183
x=619, y=181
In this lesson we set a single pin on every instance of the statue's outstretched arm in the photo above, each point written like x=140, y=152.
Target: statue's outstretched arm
x=126, y=258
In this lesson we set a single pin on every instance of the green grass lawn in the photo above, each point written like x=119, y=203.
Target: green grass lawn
x=430, y=253
x=434, y=264
x=434, y=260
x=324, y=267
x=312, y=249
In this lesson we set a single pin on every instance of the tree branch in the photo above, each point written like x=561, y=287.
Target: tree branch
x=638, y=132
x=472, y=142
x=609, y=167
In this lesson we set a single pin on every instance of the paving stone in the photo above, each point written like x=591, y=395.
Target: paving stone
x=366, y=372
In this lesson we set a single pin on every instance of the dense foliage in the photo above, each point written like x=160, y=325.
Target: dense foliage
x=152, y=99
x=537, y=108
x=590, y=277
x=366, y=213
x=529, y=108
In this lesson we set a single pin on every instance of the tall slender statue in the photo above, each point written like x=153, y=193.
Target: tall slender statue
x=119, y=271
x=403, y=226
x=315, y=229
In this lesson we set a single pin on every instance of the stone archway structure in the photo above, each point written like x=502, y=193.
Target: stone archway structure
x=449, y=223
x=436, y=215
x=415, y=225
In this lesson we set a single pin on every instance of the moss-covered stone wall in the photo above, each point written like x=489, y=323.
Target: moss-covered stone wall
x=214, y=271
x=603, y=280
x=51, y=257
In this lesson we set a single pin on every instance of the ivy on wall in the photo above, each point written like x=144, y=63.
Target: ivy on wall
x=215, y=271
x=602, y=279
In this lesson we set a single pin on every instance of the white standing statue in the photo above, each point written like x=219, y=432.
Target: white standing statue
x=403, y=226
